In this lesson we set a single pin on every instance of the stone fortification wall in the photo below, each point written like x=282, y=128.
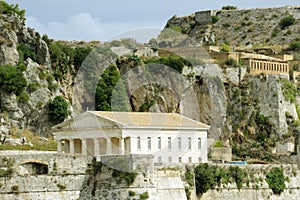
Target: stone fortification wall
x=99, y=181
x=258, y=188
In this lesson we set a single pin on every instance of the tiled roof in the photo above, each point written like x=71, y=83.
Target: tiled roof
x=131, y=119
x=260, y=57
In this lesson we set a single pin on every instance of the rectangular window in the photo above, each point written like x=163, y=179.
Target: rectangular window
x=169, y=143
x=159, y=159
x=149, y=143
x=199, y=143
x=190, y=159
x=190, y=143
x=139, y=143
x=200, y=160
x=159, y=142
x=170, y=159
x=180, y=159
x=179, y=143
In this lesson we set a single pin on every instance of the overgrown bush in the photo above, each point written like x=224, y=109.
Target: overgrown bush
x=294, y=46
x=23, y=97
x=208, y=177
x=6, y=8
x=6, y=167
x=287, y=21
x=58, y=109
x=214, y=19
x=225, y=48
x=25, y=52
x=218, y=144
x=275, y=180
x=238, y=175
x=204, y=178
x=174, y=61
x=12, y=79
x=229, y=8
x=144, y=196
x=231, y=62
x=131, y=193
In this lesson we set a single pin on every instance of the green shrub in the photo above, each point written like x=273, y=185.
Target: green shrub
x=144, y=196
x=225, y=48
x=22, y=67
x=131, y=193
x=25, y=52
x=294, y=46
x=238, y=175
x=146, y=106
x=204, y=178
x=6, y=8
x=231, y=62
x=226, y=25
x=218, y=144
x=12, y=79
x=80, y=54
x=189, y=177
x=32, y=87
x=214, y=19
x=287, y=21
x=6, y=166
x=174, y=61
x=275, y=180
x=58, y=109
x=229, y=7
x=24, y=97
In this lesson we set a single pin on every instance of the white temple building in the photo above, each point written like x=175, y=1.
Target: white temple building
x=169, y=137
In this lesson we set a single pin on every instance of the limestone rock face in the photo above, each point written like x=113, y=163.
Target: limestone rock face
x=240, y=27
x=38, y=74
x=271, y=101
x=8, y=55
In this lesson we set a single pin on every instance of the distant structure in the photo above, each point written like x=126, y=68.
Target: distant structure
x=259, y=64
x=169, y=137
x=146, y=52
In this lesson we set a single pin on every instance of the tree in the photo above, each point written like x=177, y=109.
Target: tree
x=12, y=79
x=105, y=89
x=80, y=54
x=58, y=109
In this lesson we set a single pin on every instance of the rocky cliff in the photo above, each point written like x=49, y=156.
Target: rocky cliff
x=240, y=27
x=21, y=45
x=248, y=113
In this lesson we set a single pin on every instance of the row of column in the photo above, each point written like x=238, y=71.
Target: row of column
x=269, y=66
x=69, y=146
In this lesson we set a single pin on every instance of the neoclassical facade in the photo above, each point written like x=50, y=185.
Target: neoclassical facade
x=264, y=64
x=169, y=137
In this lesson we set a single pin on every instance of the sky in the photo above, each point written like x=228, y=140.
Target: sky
x=106, y=20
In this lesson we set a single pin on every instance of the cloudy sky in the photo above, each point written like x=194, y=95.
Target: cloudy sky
x=106, y=20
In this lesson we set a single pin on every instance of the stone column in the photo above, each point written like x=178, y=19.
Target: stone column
x=96, y=147
x=59, y=146
x=83, y=146
x=121, y=146
x=108, y=146
x=72, y=149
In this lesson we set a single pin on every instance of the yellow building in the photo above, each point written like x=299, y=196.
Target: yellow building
x=259, y=64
